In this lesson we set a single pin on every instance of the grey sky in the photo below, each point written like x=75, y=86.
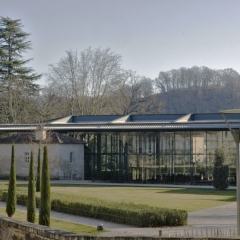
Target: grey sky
x=151, y=35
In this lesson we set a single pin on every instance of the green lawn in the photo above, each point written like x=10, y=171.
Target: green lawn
x=58, y=224
x=176, y=198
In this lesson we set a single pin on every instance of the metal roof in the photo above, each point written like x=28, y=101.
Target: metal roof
x=147, y=118
x=148, y=122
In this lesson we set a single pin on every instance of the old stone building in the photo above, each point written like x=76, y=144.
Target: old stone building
x=65, y=154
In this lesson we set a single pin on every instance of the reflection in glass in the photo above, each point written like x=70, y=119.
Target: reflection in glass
x=161, y=157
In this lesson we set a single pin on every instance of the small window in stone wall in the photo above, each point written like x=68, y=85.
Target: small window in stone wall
x=72, y=157
x=27, y=157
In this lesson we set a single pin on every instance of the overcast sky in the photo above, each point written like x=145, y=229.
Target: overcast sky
x=151, y=35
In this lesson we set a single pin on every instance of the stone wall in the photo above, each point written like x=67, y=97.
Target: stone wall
x=11, y=229
x=19, y=230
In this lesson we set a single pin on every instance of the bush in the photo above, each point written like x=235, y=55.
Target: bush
x=21, y=198
x=220, y=171
x=127, y=213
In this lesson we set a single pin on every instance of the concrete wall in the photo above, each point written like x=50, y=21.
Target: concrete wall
x=58, y=156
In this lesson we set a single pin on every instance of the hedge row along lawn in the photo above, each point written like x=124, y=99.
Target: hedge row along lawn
x=171, y=198
x=128, y=213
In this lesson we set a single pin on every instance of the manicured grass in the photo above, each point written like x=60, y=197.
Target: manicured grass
x=58, y=224
x=174, y=198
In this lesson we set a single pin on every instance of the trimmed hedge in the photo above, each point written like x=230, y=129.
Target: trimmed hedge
x=127, y=213
x=137, y=215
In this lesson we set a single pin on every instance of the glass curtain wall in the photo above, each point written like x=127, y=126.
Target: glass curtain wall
x=163, y=157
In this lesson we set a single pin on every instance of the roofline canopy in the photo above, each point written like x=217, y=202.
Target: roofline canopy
x=148, y=122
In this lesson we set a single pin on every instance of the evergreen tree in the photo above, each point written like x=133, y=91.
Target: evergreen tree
x=31, y=201
x=220, y=171
x=12, y=199
x=12, y=44
x=45, y=204
x=17, y=82
x=38, y=182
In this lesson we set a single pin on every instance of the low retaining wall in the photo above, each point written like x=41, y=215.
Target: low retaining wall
x=11, y=229
x=20, y=230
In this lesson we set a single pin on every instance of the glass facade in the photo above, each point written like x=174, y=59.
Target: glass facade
x=162, y=157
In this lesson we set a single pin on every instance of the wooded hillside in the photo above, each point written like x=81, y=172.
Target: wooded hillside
x=198, y=89
x=196, y=100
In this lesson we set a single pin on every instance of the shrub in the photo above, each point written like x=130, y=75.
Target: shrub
x=11, y=200
x=21, y=198
x=128, y=213
x=220, y=171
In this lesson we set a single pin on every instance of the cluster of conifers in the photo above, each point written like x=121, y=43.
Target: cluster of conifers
x=42, y=185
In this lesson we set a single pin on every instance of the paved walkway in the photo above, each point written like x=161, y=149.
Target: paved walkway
x=217, y=217
x=96, y=183
x=154, y=185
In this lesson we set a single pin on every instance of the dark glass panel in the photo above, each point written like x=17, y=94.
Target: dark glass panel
x=214, y=140
x=182, y=143
x=166, y=143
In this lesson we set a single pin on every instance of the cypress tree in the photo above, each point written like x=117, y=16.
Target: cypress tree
x=45, y=205
x=38, y=182
x=12, y=199
x=31, y=201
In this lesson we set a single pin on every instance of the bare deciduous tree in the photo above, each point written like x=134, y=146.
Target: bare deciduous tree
x=134, y=94
x=196, y=77
x=49, y=105
x=17, y=102
x=83, y=79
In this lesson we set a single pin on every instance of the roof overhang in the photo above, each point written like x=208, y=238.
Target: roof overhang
x=231, y=111
x=122, y=127
x=151, y=122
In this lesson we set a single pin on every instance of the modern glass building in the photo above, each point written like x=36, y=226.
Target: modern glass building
x=162, y=148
